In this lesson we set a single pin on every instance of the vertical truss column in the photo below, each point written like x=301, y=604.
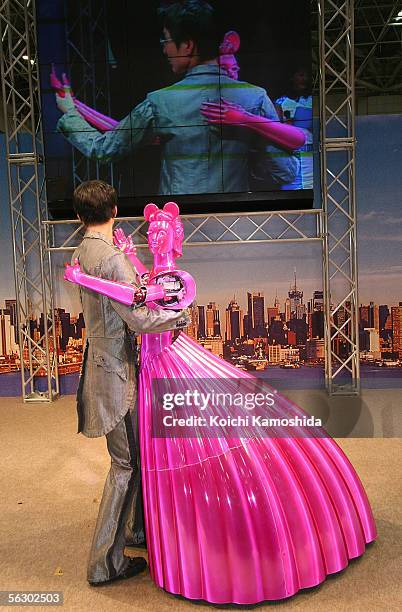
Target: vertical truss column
x=89, y=58
x=27, y=199
x=337, y=117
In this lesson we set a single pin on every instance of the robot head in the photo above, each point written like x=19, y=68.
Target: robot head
x=227, y=59
x=165, y=231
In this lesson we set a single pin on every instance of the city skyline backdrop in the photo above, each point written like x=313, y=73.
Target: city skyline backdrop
x=269, y=332
x=379, y=184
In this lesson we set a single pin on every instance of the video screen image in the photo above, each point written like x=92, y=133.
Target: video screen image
x=207, y=101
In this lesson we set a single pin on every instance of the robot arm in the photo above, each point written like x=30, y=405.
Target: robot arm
x=126, y=293
x=101, y=122
x=228, y=113
x=169, y=290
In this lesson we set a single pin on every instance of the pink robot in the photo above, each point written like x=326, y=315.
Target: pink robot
x=165, y=285
x=227, y=58
x=232, y=518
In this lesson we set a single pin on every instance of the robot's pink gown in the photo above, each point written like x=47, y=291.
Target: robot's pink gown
x=240, y=520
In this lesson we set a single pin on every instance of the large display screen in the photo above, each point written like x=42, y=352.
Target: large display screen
x=205, y=103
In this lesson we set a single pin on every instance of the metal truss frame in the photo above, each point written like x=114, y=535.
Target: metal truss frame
x=27, y=196
x=334, y=225
x=337, y=125
x=208, y=229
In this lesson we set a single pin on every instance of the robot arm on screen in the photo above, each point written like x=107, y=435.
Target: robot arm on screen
x=101, y=122
x=227, y=113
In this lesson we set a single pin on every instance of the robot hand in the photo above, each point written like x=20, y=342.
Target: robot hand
x=72, y=273
x=126, y=245
x=225, y=112
x=123, y=242
x=179, y=289
x=64, y=98
x=60, y=87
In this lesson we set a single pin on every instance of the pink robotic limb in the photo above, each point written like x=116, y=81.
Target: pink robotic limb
x=121, y=292
x=126, y=245
x=101, y=122
x=166, y=286
x=170, y=291
x=228, y=113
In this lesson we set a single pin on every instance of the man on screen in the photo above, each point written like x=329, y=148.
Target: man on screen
x=197, y=156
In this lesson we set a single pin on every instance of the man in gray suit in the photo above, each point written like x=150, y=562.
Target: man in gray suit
x=106, y=396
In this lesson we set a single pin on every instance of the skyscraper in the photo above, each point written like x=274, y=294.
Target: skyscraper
x=288, y=313
x=79, y=326
x=213, y=323
x=256, y=313
x=364, y=316
x=318, y=300
x=11, y=306
x=383, y=314
x=374, y=317
x=65, y=326
x=316, y=315
x=8, y=345
x=234, y=321
x=373, y=342
x=192, y=328
x=201, y=322
x=297, y=308
x=247, y=326
x=317, y=324
x=300, y=328
x=273, y=311
x=396, y=317
x=277, y=332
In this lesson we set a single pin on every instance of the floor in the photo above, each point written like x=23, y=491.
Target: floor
x=51, y=481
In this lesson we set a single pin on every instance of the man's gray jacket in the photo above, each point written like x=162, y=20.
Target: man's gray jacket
x=107, y=388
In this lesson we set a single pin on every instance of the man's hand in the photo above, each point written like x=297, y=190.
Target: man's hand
x=123, y=242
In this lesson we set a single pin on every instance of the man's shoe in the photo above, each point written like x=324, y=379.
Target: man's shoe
x=135, y=566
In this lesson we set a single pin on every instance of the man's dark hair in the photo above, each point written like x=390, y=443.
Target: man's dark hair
x=94, y=202
x=193, y=20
